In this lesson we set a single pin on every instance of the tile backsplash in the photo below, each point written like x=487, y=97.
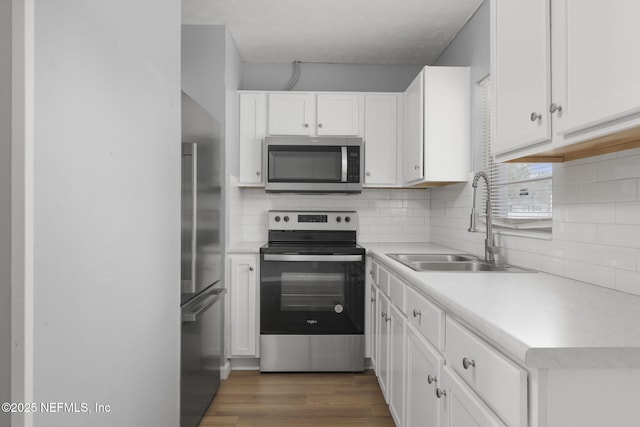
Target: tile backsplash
x=384, y=215
x=596, y=220
x=596, y=223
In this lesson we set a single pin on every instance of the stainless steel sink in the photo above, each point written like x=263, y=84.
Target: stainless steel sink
x=453, y=262
x=411, y=258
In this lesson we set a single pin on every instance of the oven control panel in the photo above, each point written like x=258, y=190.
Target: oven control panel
x=313, y=220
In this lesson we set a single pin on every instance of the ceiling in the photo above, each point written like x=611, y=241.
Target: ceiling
x=340, y=31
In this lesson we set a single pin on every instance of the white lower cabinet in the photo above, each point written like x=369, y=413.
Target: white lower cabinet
x=396, y=380
x=382, y=344
x=244, y=313
x=461, y=407
x=424, y=369
x=471, y=384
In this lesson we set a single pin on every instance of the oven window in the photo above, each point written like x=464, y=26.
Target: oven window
x=305, y=164
x=312, y=292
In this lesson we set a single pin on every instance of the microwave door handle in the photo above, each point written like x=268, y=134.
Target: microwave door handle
x=191, y=150
x=344, y=164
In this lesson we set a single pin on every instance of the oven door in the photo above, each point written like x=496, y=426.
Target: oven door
x=307, y=294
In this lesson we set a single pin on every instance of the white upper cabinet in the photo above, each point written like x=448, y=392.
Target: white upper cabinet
x=251, y=133
x=565, y=77
x=437, y=127
x=338, y=114
x=312, y=114
x=413, y=166
x=291, y=114
x=381, y=139
x=596, y=65
x=521, y=74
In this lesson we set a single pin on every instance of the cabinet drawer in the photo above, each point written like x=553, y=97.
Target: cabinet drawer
x=374, y=272
x=397, y=293
x=425, y=316
x=498, y=381
x=383, y=280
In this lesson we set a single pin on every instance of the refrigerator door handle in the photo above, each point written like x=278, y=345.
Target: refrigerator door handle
x=207, y=302
x=190, y=149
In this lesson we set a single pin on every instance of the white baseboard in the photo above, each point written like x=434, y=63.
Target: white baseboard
x=225, y=370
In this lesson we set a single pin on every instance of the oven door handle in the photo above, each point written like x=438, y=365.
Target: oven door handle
x=313, y=258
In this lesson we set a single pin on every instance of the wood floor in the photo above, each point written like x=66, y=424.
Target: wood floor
x=248, y=398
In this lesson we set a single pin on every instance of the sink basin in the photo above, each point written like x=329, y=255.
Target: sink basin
x=453, y=262
x=411, y=258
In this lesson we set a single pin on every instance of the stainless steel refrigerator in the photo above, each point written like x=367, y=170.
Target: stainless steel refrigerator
x=202, y=296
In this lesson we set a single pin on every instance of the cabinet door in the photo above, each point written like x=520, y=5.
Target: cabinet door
x=520, y=73
x=380, y=139
x=244, y=307
x=290, y=114
x=338, y=114
x=590, y=91
x=252, y=130
x=372, y=325
x=461, y=407
x=414, y=130
x=383, y=342
x=396, y=389
x=424, y=365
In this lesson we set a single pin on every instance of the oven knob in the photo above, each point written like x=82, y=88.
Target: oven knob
x=277, y=218
x=339, y=219
x=347, y=219
x=286, y=218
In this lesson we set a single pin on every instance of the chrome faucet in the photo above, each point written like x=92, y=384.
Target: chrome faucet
x=490, y=247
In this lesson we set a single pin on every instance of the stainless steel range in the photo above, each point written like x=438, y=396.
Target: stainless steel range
x=312, y=293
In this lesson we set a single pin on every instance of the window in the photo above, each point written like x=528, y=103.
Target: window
x=521, y=193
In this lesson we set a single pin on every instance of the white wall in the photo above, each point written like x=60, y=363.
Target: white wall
x=596, y=202
x=336, y=77
x=5, y=206
x=203, y=67
x=107, y=210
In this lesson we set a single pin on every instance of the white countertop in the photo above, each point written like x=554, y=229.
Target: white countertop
x=245, y=248
x=544, y=321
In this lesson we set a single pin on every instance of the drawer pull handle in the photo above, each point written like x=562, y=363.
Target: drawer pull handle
x=466, y=363
x=431, y=379
x=384, y=315
x=373, y=299
x=440, y=393
x=416, y=313
x=387, y=318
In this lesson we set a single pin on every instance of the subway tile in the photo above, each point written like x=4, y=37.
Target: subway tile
x=394, y=211
x=590, y=273
x=558, y=249
x=628, y=213
x=374, y=220
x=585, y=212
x=628, y=281
x=618, y=168
x=619, y=235
x=408, y=220
x=623, y=190
x=418, y=194
x=565, y=193
x=416, y=229
x=608, y=256
x=416, y=204
x=574, y=174
x=376, y=203
x=574, y=232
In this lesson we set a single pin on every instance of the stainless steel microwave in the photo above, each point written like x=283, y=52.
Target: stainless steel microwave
x=304, y=164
